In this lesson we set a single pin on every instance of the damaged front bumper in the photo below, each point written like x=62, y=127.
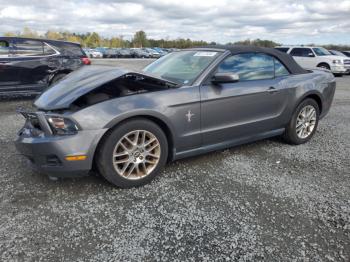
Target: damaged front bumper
x=48, y=152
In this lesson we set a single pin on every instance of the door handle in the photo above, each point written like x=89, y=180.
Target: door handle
x=272, y=90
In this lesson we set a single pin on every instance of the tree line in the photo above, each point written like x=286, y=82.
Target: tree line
x=140, y=39
x=93, y=39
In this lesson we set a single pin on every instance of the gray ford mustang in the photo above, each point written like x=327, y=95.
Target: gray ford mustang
x=128, y=124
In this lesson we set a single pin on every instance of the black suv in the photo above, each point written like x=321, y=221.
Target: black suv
x=28, y=66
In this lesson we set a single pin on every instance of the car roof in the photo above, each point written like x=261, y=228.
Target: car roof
x=286, y=59
x=38, y=39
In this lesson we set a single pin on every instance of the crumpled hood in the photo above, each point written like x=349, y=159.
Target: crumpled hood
x=76, y=84
x=79, y=83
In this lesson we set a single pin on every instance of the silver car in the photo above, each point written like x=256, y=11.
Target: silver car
x=127, y=124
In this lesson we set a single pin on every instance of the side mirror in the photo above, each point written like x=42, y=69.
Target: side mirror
x=226, y=77
x=311, y=55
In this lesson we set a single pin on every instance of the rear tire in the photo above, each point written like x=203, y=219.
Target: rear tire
x=303, y=123
x=127, y=157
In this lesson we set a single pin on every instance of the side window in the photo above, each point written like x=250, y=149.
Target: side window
x=4, y=49
x=72, y=50
x=249, y=66
x=29, y=48
x=296, y=52
x=308, y=52
x=303, y=52
x=48, y=50
x=280, y=69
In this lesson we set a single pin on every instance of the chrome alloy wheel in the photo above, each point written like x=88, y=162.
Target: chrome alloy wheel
x=136, y=154
x=306, y=121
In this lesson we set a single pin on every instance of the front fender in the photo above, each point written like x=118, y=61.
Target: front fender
x=109, y=113
x=139, y=113
x=167, y=108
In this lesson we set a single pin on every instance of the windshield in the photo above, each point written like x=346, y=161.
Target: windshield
x=321, y=51
x=181, y=67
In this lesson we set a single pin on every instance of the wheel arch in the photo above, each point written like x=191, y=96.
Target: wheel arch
x=160, y=121
x=315, y=96
x=324, y=63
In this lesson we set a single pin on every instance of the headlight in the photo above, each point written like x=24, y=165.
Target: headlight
x=62, y=126
x=337, y=62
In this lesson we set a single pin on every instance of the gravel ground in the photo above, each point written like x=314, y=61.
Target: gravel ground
x=265, y=201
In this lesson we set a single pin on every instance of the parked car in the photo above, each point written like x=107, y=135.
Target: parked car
x=96, y=53
x=347, y=53
x=125, y=53
x=346, y=61
x=169, y=50
x=152, y=53
x=91, y=53
x=128, y=124
x=161, y=51
x=102, y=50
x=28, y=66
x=337, y=53
x=139, y=53
x=312, y=57
x=112, y=53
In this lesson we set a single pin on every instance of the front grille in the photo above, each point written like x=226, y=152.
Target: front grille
x=347, y=61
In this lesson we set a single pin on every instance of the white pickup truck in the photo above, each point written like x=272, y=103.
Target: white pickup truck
x=312, y=57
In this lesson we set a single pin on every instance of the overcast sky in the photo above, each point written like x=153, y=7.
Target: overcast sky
x=284, y=21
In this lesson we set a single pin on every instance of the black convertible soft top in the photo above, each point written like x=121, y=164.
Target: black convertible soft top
x=286, y=59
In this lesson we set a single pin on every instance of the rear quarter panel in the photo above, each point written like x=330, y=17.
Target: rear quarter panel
x=70, y=55
x=316, y=83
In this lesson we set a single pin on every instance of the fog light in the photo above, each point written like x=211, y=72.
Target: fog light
x=75, y=158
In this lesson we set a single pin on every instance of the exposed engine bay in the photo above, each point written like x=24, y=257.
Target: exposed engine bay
x=129, y=84
x=94, y=84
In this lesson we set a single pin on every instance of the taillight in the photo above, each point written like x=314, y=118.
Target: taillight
x=86, y=61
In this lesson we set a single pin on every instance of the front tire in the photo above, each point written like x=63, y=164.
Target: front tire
x=324, y=65
x=303, y=123
x=132, y=154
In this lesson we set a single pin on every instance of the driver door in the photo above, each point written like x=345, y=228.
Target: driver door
x=241, y=110
x=310, y=60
